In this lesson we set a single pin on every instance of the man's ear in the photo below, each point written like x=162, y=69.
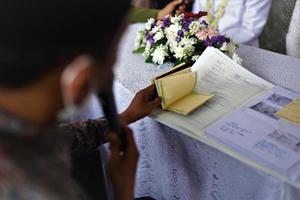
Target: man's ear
x=75, y=79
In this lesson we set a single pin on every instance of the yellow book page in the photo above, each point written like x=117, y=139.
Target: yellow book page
x=291, y=112
x=173, y=88
x=189, y=103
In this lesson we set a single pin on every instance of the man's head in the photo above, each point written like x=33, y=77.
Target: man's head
x=74, y=39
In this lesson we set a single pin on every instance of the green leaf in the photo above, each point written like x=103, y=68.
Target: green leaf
x=139, y=50
x=177, y=62
x=149, y=60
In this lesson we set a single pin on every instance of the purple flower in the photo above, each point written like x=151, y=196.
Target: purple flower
x=186, y=22
x=219, y=39
x=208, y=42
x=150, y=38
x=178, y=39
x=166, y=22
x=180, y=33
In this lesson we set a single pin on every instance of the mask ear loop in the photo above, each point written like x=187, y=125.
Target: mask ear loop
x=67, y=78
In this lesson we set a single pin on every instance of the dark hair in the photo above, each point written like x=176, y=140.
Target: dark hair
x=37, y=35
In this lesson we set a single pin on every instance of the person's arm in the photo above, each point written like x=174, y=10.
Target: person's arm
x=88, y=135
x=138, y=14
x=253, y=21
x=143, y=103
x=293, y=35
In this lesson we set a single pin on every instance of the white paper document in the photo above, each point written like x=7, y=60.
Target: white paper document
x=231, y=84
x=257, y=132
x=241, y=119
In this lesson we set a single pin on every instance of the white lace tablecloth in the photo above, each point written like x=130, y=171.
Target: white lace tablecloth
x=175, y=166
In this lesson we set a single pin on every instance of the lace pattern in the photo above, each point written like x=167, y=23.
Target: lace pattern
x=175, y=166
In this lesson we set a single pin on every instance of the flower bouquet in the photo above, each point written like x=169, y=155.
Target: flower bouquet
x=180, y=39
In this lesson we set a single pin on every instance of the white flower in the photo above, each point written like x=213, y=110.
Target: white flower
x=185, y=48
x=171, y=31
x=156, y=29
x=229, y=47
x=179, y=52
x=195, y=57
x=175, y=43
x=187, y=41
x=158, y=36
x=172, y=45
x=176, y=19
x=147, y=51
x=224, y=47
x=236, y=58
x=194, y=27
x=159, y=54
x=140, y=38
x=149, y=24
x=189, y=50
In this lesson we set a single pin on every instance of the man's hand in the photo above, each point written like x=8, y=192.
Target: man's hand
x=122, y=167
x=141, y=105
x=168, y=9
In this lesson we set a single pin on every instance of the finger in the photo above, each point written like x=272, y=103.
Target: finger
x=128, y=133
x=150, y=92
x=152, y=95
x=150, y=88
x=145, y=91
x=114, y=145
x=131, y=151
x=155, y=103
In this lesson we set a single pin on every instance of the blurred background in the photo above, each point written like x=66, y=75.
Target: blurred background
x=273, y=37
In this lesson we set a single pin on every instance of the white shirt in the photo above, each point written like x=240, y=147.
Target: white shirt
x=293, y=36
x=243, y=20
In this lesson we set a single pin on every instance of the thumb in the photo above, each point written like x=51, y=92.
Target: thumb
x=114, y=146
x=155, y=103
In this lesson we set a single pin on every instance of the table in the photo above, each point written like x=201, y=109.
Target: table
x=175, y=166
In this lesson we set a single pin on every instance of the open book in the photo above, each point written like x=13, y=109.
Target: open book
x=265, y=129
x=176, y=89
x=233, y=87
